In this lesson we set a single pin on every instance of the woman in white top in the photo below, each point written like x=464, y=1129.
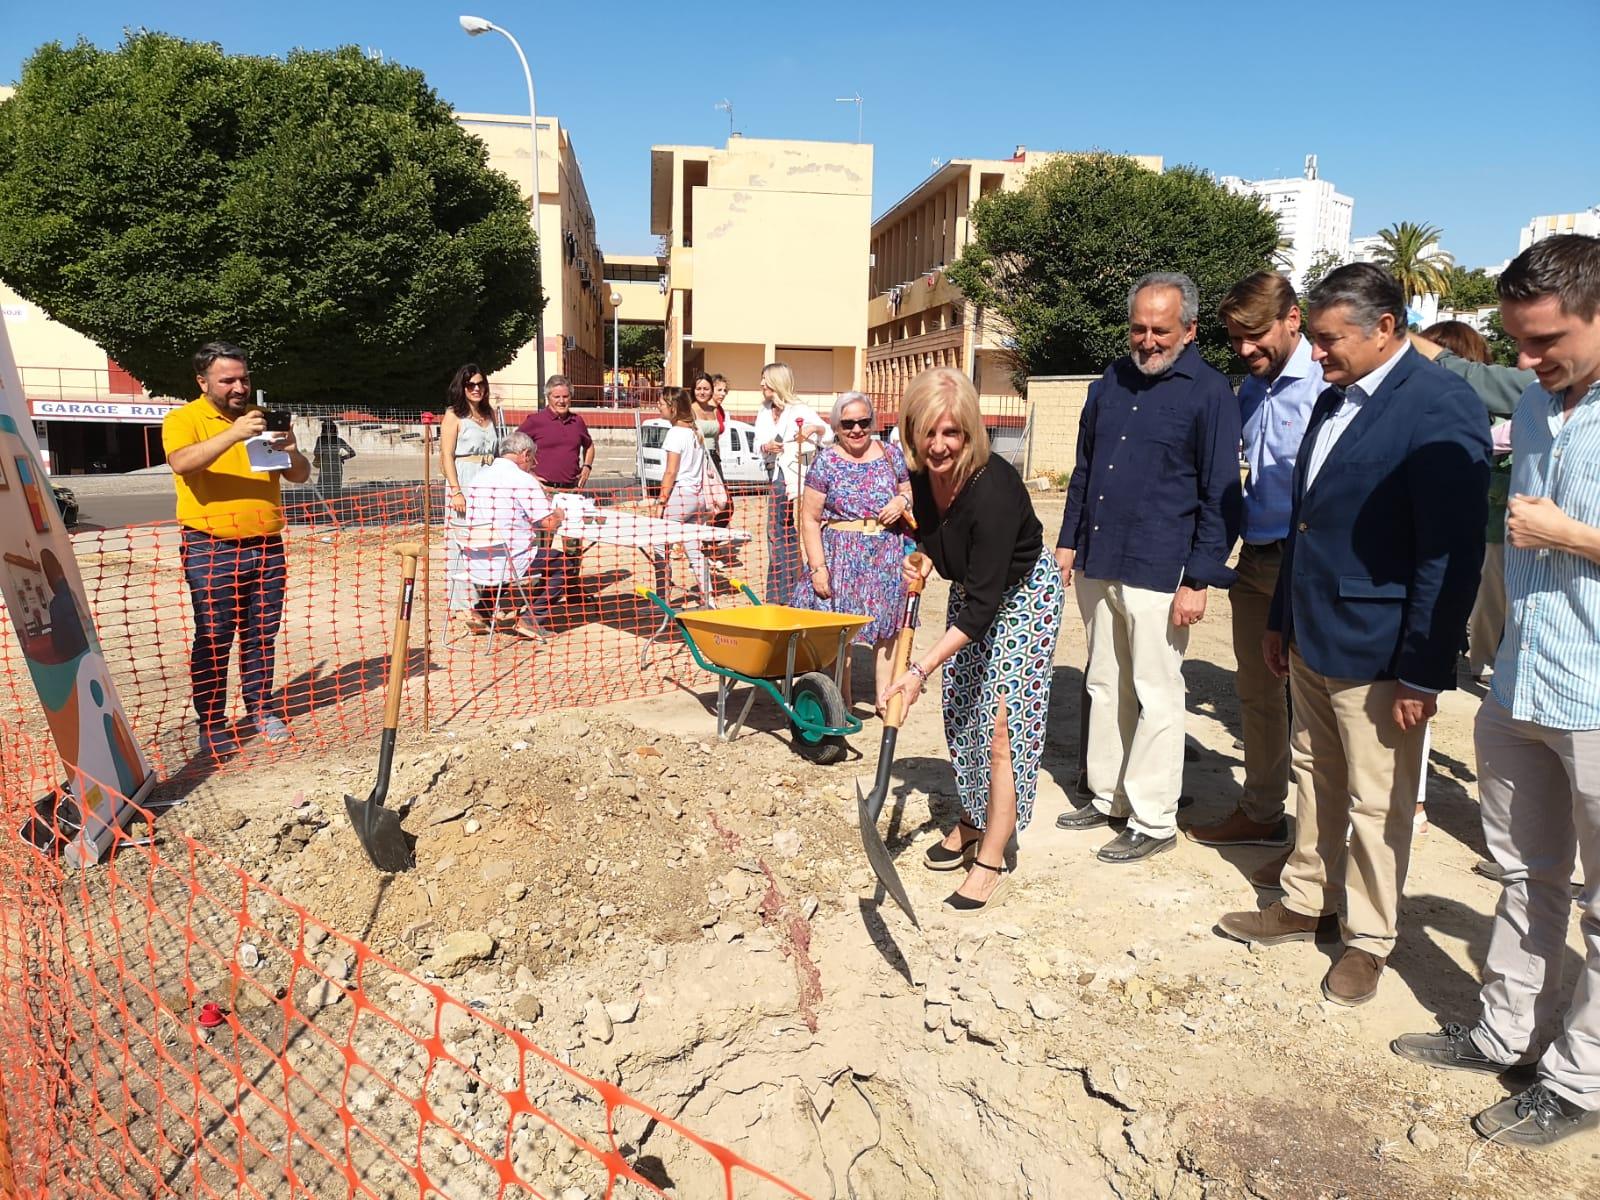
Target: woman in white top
x=682, y=480
x=788, y=433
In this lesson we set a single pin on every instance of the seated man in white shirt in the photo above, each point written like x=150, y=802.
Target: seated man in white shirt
x=506, y=498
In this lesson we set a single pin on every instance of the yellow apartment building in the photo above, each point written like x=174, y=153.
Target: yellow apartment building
x=766, y=245
x=916, y=317
x=576, y=305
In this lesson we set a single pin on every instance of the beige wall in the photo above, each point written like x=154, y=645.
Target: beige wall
x=572, y=309
x=768, y=247
x=782, y=266
x=1056, y=403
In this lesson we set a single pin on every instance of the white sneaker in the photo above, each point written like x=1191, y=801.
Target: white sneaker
x=271, y=729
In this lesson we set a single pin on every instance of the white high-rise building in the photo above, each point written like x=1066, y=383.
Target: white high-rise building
x=1586, y=222
x=1312, y=217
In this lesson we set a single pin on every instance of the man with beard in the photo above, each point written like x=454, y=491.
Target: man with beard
x=1152, y=512
x=1263, y=319
x=232, y=543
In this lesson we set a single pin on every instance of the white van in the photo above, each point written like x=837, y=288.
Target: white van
x=741, y=461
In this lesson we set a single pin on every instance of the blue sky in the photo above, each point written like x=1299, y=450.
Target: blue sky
x=1476, y=122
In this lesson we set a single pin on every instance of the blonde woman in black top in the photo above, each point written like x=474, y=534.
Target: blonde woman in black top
x=975, y=521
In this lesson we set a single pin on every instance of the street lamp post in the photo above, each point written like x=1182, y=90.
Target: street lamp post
x=475, y=26
x=616, y=348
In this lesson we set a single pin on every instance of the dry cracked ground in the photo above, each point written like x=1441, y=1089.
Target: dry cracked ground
x=696, y=923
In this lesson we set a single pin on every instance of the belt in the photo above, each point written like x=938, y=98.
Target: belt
x=1273, y=545
x=869, y=526
x=483, y=459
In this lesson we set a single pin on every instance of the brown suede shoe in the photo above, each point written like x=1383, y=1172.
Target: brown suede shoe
x=1267, y=875
x=1275, y=925
x=1354, y=978
x=1239, y=830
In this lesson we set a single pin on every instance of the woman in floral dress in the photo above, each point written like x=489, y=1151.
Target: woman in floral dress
x=855, y=497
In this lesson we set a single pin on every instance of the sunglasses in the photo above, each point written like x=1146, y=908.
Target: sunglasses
x=476, y=385
x=848, y=423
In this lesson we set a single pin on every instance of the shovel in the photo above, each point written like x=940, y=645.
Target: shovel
x=388, y=845
x=869, y=808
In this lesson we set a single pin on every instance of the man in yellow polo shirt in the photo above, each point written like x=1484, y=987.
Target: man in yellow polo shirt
x=232, y=548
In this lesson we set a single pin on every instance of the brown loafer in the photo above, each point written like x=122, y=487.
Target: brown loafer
x=1236, y=829
x=1275, y=925
x=1354, y=978
x=1268, y=875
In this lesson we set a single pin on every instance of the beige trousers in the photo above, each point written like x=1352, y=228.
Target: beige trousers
x=1355, y=771
x=1263, y=701
x=1136, y=703
x=1488, y=620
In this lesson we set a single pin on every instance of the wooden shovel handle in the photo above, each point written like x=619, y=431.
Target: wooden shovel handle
x=408, y=552
x=896, y=712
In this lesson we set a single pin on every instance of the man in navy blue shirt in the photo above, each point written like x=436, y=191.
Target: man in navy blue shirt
x=1152, y=513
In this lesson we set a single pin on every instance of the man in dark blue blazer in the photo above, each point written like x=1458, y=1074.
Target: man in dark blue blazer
x=1379, y=573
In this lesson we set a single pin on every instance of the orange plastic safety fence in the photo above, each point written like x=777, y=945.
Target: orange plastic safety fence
x=170, y=1027
x=212, y=634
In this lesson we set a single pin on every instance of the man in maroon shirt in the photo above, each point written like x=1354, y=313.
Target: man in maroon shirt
x=566, y=451
x=564, y=461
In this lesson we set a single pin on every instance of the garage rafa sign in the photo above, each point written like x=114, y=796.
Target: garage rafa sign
x=49, y=613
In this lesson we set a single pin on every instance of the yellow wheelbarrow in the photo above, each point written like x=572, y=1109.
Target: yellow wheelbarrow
x=785, y=652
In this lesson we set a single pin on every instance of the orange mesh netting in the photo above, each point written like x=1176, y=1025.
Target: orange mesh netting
x=170, y=1027
x=323, y=1070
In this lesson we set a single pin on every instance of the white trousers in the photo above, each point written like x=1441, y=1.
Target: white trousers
x=1136, y=703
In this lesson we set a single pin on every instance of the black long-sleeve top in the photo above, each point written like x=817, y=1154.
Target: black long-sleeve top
x=987, y=542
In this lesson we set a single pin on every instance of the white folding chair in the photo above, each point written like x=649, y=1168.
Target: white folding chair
x=483, y=559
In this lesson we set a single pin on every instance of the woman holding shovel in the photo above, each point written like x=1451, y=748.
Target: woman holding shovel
x=975, y=522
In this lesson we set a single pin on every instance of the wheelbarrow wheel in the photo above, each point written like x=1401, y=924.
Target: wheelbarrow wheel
x=817, y=704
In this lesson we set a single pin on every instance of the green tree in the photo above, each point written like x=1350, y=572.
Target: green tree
x=1411, y=254
x=1322, y=262
x=1054, y=259
x=1501, y=344
x=1465, y=289
x=641, y=349
x=324, y=211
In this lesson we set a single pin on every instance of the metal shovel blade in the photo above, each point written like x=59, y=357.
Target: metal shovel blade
x=878, y=853
x=378, y=829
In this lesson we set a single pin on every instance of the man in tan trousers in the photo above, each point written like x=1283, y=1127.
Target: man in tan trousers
x=1262, y=314
x=1379, y=571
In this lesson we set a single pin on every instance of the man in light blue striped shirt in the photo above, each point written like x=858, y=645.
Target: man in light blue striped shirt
x=1538, y=733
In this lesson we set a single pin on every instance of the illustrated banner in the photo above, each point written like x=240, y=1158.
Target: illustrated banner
x=49, y=612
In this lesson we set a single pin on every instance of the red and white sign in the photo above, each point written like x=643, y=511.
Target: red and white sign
x=142, y=412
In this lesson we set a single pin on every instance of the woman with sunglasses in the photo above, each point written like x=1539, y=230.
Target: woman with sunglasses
x=467, y=438
x=855, y=497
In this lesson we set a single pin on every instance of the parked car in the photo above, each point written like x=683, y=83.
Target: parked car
x=741, y=461
x=67, y=502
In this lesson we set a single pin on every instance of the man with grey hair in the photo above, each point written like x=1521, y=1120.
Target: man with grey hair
x=506, y=497
x=1152, y=513
x=1379, y=570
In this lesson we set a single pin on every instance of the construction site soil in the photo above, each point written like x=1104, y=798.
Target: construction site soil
x=696, y=922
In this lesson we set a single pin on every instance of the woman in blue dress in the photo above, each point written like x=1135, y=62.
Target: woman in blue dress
x=855, y=498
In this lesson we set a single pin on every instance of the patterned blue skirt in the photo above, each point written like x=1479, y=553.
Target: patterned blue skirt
x=1014, y=658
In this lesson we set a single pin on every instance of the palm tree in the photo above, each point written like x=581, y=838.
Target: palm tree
x=1411, y=253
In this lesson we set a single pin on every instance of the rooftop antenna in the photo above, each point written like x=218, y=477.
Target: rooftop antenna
x=856, y=100
x=726, y=106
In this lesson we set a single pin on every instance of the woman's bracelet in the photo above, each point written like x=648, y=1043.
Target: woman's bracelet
x=916, y=669
x=819, y=567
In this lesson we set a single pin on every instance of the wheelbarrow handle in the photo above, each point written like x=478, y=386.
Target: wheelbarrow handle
x=896, y=712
